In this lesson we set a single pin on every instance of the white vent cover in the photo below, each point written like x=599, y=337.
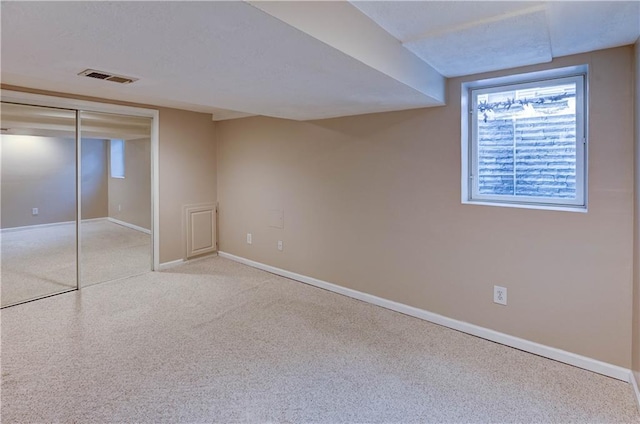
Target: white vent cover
x=107, y=76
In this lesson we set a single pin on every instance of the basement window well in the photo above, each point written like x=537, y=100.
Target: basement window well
x=116, y=158
x=524, y=141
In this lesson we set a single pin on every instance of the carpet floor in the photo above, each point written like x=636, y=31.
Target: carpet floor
x=216, y=341
x=42, y=261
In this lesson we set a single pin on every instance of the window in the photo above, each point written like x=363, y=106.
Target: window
x=524, y=140
x=117, y=158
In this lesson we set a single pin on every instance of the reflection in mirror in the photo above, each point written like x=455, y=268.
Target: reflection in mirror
x=38, y=202
x=116, y=197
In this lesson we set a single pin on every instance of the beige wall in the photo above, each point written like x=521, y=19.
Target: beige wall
x=636, y=233
x=39, y=172
x=94, y=179
x=130, y=197
x=187, y=173
x=373, y=203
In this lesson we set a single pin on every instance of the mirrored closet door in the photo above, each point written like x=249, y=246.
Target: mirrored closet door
x=58, y=165
x=115, y=229
x=38, y=202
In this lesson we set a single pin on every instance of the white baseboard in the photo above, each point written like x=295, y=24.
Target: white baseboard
x=170, y=264
x=55, y=224
x=576, y=360
x=104, y=218
x=33, y=227
x=52, y=224
x=126, y=224
x=634, y=382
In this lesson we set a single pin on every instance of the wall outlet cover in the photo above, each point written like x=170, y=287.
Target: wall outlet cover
x=500, y=295
x=249, y=238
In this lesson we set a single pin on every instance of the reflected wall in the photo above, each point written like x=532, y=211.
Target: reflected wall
x=38, y=202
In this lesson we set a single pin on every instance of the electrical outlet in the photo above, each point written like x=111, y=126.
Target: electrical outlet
x=500, y=295
x=34, y=211
x=119, y=208
x=280, y=245
x=249, y=238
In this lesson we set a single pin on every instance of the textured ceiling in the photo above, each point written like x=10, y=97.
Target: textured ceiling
x=527, y=43
x=463, y=38
x=193, y=55
x=592, y=25
x=297, y=60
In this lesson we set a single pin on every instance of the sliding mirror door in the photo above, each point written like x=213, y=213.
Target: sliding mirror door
x=38, y=202
x=116, y=197
x=44, y=248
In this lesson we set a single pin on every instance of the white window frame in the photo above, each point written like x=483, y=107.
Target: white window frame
x=121, y=149
x=470, y=92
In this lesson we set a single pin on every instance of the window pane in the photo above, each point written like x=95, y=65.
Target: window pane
x=527, y=142
x=117, y=158
x=496, y=157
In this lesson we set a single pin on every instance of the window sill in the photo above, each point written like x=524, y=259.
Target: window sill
x=560, y=208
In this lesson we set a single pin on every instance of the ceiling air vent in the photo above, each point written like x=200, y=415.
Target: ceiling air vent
x=92, y=73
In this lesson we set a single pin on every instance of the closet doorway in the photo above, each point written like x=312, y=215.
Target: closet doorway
x=76, y=191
